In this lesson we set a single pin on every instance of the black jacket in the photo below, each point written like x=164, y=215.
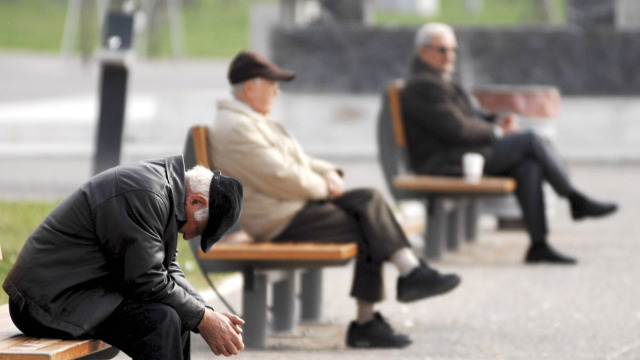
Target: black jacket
x=113, y=238
x=440, y=123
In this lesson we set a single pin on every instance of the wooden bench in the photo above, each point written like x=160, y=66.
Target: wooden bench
x=451, y=203
x=264, y=264
x=16, y=346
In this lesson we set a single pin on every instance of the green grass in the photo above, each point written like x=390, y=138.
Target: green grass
x=219, y=28
x=213, y=28
x=31, y=24
x=18, y=219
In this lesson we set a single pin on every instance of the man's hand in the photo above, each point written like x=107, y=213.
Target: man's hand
x=508, y=123
x=222, y=332
x=334, y=184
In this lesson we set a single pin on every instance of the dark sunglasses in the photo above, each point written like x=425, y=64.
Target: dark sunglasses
x=443, y=49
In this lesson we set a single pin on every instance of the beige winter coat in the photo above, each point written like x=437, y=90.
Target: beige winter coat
x=278, y=177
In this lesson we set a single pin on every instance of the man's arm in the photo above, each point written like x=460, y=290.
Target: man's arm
x=176, y=273
x=428, y=106
x=131, y=227
x=272, y=163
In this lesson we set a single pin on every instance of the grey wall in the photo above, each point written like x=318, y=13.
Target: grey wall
x=597, y=60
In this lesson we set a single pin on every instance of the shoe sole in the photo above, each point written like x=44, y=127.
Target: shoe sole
x=549, y=262
x=422, y=295
x=595, y=215
x=366, y=344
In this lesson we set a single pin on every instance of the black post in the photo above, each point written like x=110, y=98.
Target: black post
x=116, y=43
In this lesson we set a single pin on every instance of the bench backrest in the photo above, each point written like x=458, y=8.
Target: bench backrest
x=392, y=152
x=196, y=150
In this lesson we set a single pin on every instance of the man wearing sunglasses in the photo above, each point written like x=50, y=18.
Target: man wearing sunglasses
x=441, y=125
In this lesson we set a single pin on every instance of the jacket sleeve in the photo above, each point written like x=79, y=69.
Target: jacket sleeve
x=176, y=273
x=436, y=113
x=131, y=226
x=261, y=164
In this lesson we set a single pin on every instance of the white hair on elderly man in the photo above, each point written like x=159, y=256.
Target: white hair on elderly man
x=199, y=179
x=428, y=31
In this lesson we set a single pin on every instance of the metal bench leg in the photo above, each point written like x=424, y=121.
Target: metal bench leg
x=436, y=228
x=284, y=304
x=311, y=295
x=456, y=224
x=254, y=308
x=472, y=219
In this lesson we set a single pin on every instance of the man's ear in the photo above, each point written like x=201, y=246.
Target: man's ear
x=197, y=201
x=248, y=87
x=422, y=53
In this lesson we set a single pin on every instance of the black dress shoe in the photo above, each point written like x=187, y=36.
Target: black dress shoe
x=543, y=253
x=424, y=282
x=582, y=207
x=376, y=333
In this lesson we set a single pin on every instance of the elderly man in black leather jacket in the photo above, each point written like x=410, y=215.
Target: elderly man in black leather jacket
x=103, y=263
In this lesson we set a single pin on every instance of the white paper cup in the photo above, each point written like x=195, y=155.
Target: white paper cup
x=472, y=165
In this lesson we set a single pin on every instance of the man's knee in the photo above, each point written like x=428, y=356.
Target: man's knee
x=366, y=195
x=532, y=137
x=164, y=315
x=528, y=170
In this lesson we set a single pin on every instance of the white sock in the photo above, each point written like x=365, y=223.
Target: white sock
x=366, y=310
x=405, y=260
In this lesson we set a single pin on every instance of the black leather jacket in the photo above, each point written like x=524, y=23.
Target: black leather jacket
x=113, y=238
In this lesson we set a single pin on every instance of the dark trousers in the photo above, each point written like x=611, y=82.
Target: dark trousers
x=361, y=216
x=148, y=331
x=530, y=159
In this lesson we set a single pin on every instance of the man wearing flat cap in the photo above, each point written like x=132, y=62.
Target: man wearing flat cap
x=103, y=263
x=291, y=196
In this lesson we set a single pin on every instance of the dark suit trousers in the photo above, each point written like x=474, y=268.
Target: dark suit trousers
x=144, y=331
x=530, y=159
x=361, y=216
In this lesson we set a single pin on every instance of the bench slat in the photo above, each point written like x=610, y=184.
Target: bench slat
x=16, y=346
x=450, y=184
x=281, y=251
x=21, y=347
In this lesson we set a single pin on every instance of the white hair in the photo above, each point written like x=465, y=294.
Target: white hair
x=428, y=31
x=238, y=88
x=198, y=180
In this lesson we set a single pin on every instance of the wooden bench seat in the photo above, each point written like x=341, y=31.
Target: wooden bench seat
x=290, y=252
x=16, y=346
x=454, y=185
x=451, y=203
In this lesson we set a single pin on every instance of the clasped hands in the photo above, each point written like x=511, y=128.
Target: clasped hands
x=222, y=332
x=335, y=184
x=508, y=123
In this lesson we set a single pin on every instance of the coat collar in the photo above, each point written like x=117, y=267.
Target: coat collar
x=242, y=108
x=419, y=67
x=174, y=166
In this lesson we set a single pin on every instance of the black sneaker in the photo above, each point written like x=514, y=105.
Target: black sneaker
x=424, y=282
x=376, y=333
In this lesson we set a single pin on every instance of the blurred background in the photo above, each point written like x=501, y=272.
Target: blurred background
x=54, y=55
